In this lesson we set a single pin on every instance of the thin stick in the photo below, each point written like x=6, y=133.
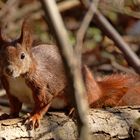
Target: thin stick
x=68, y=4
x=82, y=30
x=130, y=56
x=70, y=62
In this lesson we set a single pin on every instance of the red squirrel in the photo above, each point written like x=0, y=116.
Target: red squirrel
x=36, y=76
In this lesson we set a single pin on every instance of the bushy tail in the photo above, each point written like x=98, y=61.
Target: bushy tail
x=113, y=90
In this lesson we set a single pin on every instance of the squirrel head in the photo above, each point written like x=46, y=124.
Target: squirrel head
x=15, y=56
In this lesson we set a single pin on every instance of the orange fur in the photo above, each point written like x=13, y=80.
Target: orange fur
x=114, y=90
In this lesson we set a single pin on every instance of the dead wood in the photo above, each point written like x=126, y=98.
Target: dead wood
x=105, y=124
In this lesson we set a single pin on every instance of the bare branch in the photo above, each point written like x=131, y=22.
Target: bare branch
x=127, y=38
x=118, y=66
x=130, y=56
x=65, y=5
x=128, y=7
x=82, y=30
x=109, y=30
x=74, y=73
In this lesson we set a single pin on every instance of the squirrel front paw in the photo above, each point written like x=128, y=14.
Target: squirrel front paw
x=32, y=121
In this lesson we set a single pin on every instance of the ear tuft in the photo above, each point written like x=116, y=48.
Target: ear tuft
x=26, y=34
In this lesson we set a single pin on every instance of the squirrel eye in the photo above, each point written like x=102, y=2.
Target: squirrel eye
x=22, y=56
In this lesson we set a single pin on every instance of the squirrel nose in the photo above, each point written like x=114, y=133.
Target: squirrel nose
x=8, y=70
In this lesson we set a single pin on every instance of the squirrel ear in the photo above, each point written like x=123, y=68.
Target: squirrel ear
x=26, y=35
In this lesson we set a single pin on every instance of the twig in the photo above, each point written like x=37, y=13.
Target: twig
x=68, y=4
x=85, y=2
x=130, y=56
x=9, y=7
x=128, y=7
x=34, y=7
x=82, y=30
x=117, y=65
x=25, y=10
x=127, y=38
x=122, y=68
x=69, y=58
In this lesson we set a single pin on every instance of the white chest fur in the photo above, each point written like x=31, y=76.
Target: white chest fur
x=19, y=89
